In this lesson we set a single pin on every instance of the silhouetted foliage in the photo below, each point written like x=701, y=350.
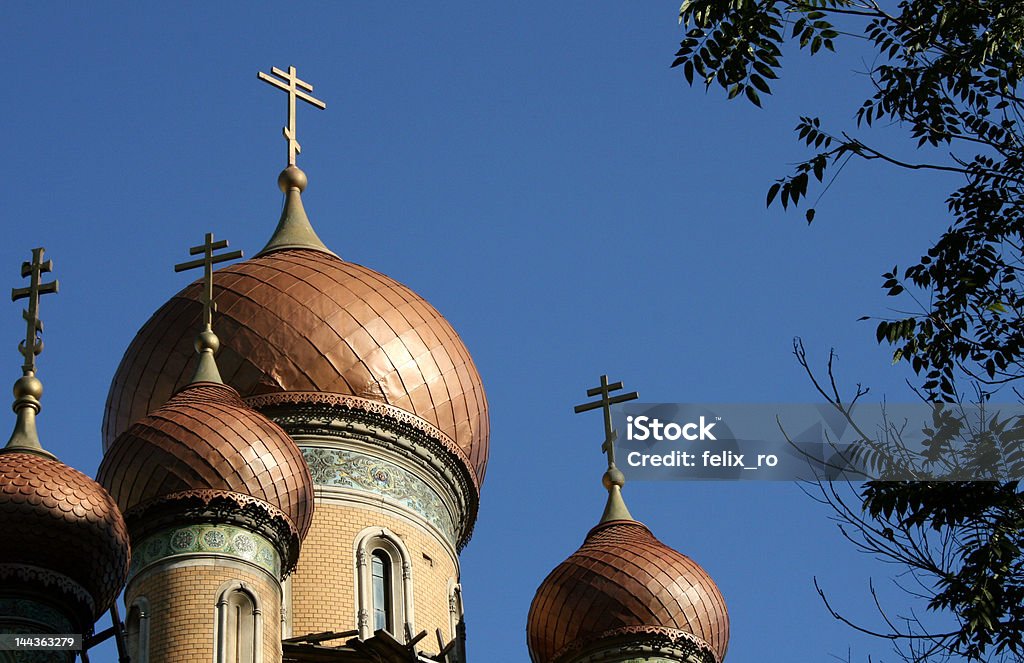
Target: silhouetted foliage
x=949, y=74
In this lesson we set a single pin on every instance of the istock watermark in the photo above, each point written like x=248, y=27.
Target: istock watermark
x=886, y=441
x=643, y=428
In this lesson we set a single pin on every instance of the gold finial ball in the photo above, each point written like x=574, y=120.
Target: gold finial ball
x=613, y=477
x=28, y=386
x=292, y=178
x=207, y=340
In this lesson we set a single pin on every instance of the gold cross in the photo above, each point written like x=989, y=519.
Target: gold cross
x=606, y=403
x=296, y=88
x=33, y=344
x=207, y=262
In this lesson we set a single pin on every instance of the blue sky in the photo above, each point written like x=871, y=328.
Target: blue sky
x=539, y=174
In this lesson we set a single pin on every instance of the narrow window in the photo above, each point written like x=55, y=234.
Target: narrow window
x=137, y=631
x=240, y=629
x=380, y=573
x=132, y=632
x=455, y=612
x=384, y=584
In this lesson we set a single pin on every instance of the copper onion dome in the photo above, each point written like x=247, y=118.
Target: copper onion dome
x=624, y=588
x=206, y=443
x=302, y=320
x=58, y=519
x=623, y=581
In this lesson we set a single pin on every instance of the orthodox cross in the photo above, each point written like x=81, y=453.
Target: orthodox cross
x=296, y=89
x=33, y=344
x=606, y=403
x=207, y=262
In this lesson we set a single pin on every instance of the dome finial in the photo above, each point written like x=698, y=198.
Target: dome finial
x=28, y=389
x=207, y=342
x=613, y=479
x=294, y=230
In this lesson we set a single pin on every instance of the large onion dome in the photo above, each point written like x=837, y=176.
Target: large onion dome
x=64, y=538
x=296, y=318
x=206, y=451
x=621, y=585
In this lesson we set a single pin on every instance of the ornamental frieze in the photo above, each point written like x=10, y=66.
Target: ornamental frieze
x=226, y=540
x=350, y=469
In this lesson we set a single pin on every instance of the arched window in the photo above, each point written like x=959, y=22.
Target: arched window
x=238, y=626
x=380, y=574
x=239, y=632
x=455, y=611
x=137, y=631
x=384, y=577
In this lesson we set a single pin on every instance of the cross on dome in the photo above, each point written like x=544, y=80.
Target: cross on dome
x=33, y=344
x=613, y=479
x=207, y=262
x=28, y=389
x=207, y=342
x=606, y=403
x=296, y=89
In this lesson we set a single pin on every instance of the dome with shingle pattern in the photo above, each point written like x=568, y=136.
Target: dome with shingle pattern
x=60, y=526
x=206, y=443
x=624, y=582
x=303, y=320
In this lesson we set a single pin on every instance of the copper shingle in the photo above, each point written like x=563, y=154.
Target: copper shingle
x=58, y=519
x=622, y=579
x=303, y=320
x=207, y=438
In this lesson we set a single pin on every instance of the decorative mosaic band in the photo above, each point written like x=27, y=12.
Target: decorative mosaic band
x=226, y=540
x=24, y=611
x=203, y=505
x=28, y=616
x=39, y=577
x=367, y=405
x=321, y=415
x=351, y=469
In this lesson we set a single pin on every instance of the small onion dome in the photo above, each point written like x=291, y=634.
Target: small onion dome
x=624, y=584
x=206, y=452
x=303, y=320
x=63, y=534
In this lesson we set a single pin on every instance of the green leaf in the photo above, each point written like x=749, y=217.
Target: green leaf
x=752, y=96
x=759, y=83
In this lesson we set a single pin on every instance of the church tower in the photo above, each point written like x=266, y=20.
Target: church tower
x=64, y=551
x=624, y=596
x=217, y=499
x=385, y=406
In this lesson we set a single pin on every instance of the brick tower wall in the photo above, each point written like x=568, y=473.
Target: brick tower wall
x=323, y=587
x=182, y=596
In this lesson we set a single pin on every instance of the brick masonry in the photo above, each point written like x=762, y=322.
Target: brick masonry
x=324, y=584
x=183, y=608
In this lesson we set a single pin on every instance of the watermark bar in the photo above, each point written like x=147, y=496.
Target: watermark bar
x=787, y=442
x=36, y=641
